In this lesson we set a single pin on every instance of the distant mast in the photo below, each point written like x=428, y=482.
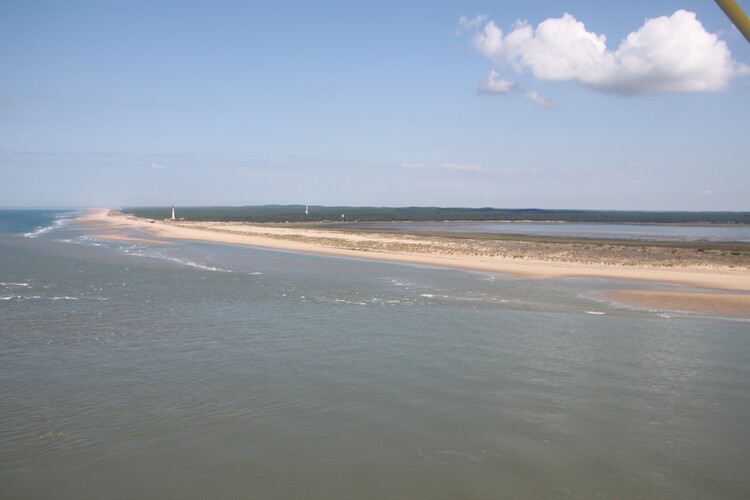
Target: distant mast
x=172, y=212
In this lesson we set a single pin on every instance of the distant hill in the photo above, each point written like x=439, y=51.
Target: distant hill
x=296, y=214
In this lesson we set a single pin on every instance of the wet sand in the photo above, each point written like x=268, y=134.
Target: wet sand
x=721, y=304
x=120, y=237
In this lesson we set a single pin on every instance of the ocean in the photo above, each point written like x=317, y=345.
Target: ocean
x=195, y=370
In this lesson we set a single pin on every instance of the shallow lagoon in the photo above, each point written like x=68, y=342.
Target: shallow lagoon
x=645, y=232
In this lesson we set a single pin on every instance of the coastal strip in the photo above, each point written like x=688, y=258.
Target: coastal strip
x=533, y=261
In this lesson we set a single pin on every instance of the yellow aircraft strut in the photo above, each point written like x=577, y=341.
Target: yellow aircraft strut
x=736, y=15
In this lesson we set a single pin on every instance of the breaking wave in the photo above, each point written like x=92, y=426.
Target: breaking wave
x=60, y=221
x=155, y=254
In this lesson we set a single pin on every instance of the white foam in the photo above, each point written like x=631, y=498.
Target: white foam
x=204, y=267
x=14, y=284
x=59, y=221
x=39, y=231
x=383, y=301
x=142, y=252
x=87, y=240
x=486, y=277
x=598, y=313
x=395, y=282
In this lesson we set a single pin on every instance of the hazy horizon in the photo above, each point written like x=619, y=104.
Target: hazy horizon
x=167, y=208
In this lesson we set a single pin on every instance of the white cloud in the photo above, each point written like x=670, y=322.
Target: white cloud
x=496, y=84
x=466, y=167
x=540, y=100
x=667, y=54
x=465, y=24
x=158, y=166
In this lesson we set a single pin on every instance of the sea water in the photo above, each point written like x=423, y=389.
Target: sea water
x=192, y=370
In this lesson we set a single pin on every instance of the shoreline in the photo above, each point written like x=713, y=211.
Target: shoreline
x=419, y=250
x=722, y=304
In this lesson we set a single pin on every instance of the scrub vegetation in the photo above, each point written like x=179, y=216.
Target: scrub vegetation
x=296, y=214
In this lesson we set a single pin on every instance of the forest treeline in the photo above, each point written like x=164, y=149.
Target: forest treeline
x=296, y=214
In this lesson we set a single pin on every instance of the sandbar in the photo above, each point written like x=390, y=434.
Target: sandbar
x=723, y=304
x=433, y=251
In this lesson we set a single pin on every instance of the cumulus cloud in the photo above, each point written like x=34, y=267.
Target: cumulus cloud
x=540, y=100
x=666, y=54
x=465, y=24
x=158, y=166
x=496, y=84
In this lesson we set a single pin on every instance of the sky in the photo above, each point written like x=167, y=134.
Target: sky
x=636, y=105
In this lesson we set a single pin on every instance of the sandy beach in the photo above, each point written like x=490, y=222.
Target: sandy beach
x=532, y=262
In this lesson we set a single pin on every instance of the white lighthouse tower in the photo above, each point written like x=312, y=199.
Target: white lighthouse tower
x=173, y=212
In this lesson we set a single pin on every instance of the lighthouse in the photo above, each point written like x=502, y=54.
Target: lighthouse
x=172, y=212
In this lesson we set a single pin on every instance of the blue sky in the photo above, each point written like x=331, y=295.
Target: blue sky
x=378, y=103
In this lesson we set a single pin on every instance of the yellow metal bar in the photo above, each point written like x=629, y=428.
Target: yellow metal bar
x=736, y=15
